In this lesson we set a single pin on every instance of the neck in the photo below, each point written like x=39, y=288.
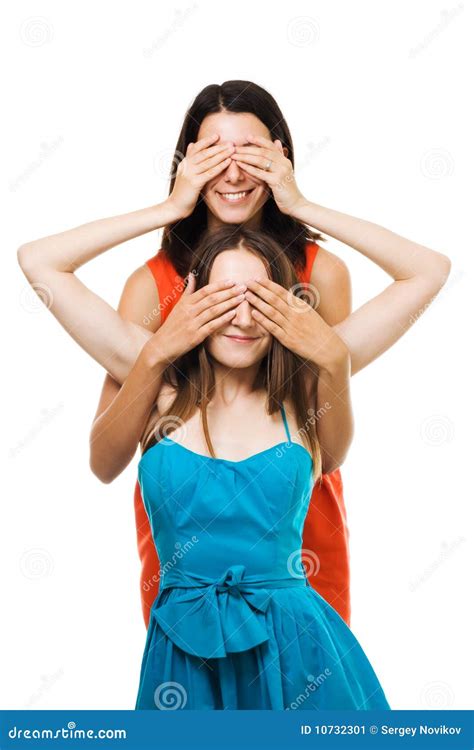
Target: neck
x=232, y=384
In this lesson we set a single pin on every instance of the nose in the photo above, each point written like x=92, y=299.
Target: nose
x=243, y=317
x=234, y=174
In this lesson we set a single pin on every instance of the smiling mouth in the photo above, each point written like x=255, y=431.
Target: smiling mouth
x=235, y=197
x=241, y=339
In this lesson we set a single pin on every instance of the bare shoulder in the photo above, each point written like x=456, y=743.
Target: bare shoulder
x=330, y=276
x=140, y=301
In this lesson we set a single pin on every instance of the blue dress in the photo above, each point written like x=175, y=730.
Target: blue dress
x=236, y=624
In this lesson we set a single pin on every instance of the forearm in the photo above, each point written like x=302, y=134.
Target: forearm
x=399, y=257
x=69, y=250
x=117, y=431
x=49, y=266
x=335, y=425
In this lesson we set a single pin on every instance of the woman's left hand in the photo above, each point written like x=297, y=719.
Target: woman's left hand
x=295, y=324
x=266, y=160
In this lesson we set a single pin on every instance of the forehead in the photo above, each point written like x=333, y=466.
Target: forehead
x=239, y=265
x=233, y=126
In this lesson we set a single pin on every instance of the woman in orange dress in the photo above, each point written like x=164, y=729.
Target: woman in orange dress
x=233, y=164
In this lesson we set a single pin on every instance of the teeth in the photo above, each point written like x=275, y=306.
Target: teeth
x=234, y=196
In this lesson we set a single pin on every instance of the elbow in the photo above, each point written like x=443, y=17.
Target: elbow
x=24, y=257
x=331, y=463
x=328, y=467
x=104, y=462
x=27, y=256
x=104, y=476
x=440, y=271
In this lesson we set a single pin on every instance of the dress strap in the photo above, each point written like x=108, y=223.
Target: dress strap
x=285, y=421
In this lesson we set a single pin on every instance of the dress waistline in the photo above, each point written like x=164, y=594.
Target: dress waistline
x=212, y=618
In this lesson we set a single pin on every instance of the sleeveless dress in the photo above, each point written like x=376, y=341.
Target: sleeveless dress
x=236, y=624
x=325, y=532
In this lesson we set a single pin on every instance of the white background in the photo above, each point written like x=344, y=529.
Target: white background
x=376, y=96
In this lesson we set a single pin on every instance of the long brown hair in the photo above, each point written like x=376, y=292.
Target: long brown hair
x=234, y=96
x=281, y=372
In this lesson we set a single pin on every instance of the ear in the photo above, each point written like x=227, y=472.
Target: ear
x=285, y=151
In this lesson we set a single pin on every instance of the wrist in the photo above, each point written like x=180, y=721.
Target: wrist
x=177, y=210
x=305, y=211
x=151, y=358
x=171, y=211
x=294, y=205
x=337, y=365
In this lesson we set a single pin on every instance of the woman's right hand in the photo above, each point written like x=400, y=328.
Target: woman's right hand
x=204, y=160
x=194, y=317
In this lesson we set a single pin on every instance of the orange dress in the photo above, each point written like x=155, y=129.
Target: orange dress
x=325, y=534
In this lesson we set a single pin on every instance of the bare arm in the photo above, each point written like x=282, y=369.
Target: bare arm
x=50, y=264
x=124, y=411
x=334, y=417
x=331, y=279
x=118, y=430
x=113, y=443
x=418, y=272
x=335, y=422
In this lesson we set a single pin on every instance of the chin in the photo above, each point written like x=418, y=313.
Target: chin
x=235, y=360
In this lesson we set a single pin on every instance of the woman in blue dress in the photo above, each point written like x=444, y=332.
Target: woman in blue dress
x=246, y=420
